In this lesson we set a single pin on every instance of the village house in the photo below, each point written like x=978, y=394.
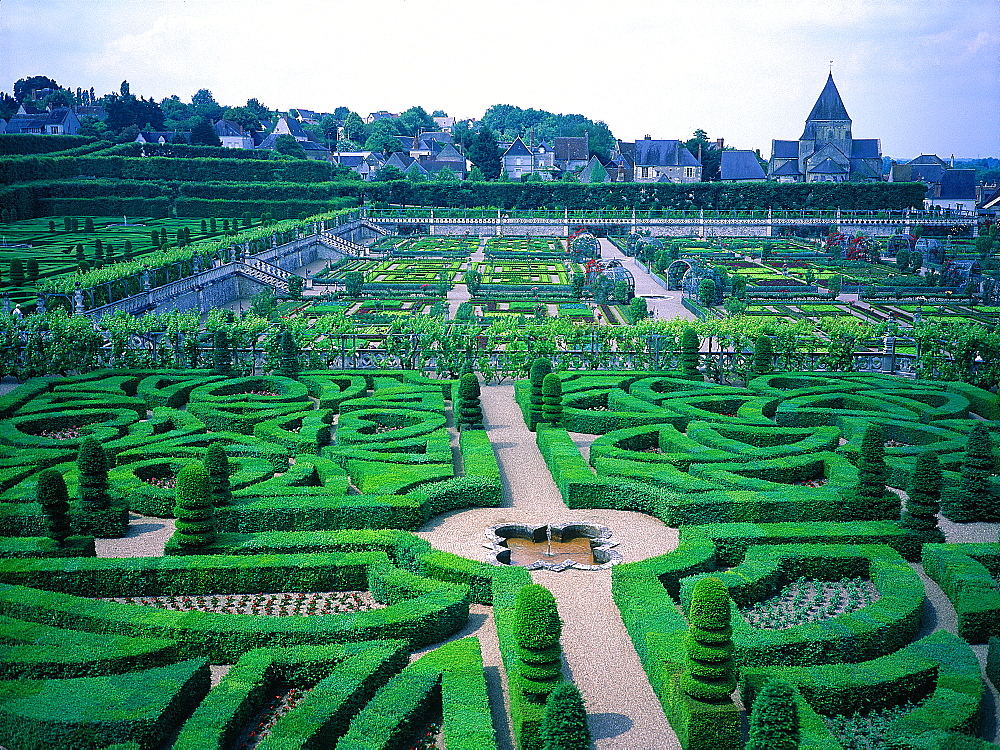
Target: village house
x=664, y=161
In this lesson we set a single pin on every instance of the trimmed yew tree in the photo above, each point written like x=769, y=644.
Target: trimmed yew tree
x=763, y=356
x=973, y=500
x=923, y=498
x=537, y=630
x=541, y=367
x=551, y=399
x=288, y=355
x=690, y=345
x=222, y=361
x=774, y=719
x=709, y=674
x=564, y=724
x=217, y=466
x=54, y=499
x=92, y=467
x=469, y=412
x=872, y=471
x=195, y=520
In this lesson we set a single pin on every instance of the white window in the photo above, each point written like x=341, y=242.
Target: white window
x=645, y=172
x=689, y=171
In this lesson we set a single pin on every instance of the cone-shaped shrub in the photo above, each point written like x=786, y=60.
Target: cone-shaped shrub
x=195, y=522
x=536, y=630
x=763, y=356
x=222, y=363
x=469, y=409
x=54, y=499
x=564, y=723
x=924, y=498
x=92, y=466
x=539, y=369
x=871, y=463
x=551, y=399
x=975, y=502
x=709, y=674
x=288, y=363
x=774, y=719
x=689, y=353
x=217, y=466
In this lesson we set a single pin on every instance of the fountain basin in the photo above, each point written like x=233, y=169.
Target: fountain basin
x=557, y=547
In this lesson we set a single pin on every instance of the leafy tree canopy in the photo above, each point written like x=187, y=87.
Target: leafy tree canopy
x=286, y=145
x=204, y=105
x=25, y=86
x=513, y=122
x=413, y=120
x=244, y=117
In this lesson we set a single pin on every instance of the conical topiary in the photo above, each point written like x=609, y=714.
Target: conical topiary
x=222, y=362
x=774, y=719
x=973, y=498
x=537, y=628
x=195, y=521
x=689, y=354
x=709, y=674
x=54, y=499
x=217, y=466
x=541, y=367
x=872, y=471
x=92, y=467
x=564, y=723
x=469, y=412
x=923, y=498
x=551, y=399
x=288, y=363
x=763, y=356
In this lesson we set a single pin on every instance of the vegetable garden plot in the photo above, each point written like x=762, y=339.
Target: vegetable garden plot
x=521, y=273
x=525, y=245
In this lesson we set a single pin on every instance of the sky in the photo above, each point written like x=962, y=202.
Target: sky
x=921, y=75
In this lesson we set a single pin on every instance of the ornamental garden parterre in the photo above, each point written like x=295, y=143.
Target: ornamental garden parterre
x=214, y=523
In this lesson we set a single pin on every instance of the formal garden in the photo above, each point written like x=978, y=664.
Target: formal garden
x=277, y=523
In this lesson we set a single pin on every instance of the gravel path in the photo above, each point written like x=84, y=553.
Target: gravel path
x=662, y=304
x=622, y=708
x=147, y=537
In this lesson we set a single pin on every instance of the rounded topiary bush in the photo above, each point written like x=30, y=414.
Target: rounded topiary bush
x=537, y=620
x=564, y=723
x=872, y=471
x=763, y=356
x=974, y=499
x=690, y=344
x=774, y=719
x=709, y=673
x=541, y=367
x=195, y=521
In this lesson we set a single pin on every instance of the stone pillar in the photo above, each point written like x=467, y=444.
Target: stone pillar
x=6, y=303
x=78, y=307
x=40, y=304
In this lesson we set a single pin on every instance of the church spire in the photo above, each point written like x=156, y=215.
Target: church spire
x=829, y=106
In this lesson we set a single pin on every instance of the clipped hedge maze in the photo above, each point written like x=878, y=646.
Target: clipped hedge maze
x=329, y=475
x=762, y=482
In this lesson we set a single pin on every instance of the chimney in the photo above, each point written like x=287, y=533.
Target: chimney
x=953, y=160
x=647, y=137
x=720, y=143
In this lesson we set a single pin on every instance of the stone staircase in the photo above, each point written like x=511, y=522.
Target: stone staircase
x=345, y=246
x=265, y=273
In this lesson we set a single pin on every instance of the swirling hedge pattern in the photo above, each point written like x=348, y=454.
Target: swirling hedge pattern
x=328, y=473
x=763, y=482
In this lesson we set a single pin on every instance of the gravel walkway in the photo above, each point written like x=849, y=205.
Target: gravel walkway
x=662, y=304
x=622, y=708
x=147, y=537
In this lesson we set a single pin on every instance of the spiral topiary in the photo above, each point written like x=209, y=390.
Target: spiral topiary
x=763, y=356
x=774, y=719
x=537, y=628
x=92, y=467
x=689, y=354
x=470, y=411
x=541, y=367
x=709, y=674
x=974, y=500
x=54, y=499
x=551, y=399
x=193, y=509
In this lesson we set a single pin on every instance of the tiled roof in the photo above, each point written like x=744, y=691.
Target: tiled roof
x=785, y=149
x=865, y=169
x=829, y=105
x=929, y=159
x=572, y=148
x=517, y=148
x=740, y=165
x=828, y=166
x=788, y=169
x=866, y=148
x=958, y=184
x=650, y=153
x=229, y=129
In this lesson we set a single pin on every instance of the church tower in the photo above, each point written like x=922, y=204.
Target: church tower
x=827, y=150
